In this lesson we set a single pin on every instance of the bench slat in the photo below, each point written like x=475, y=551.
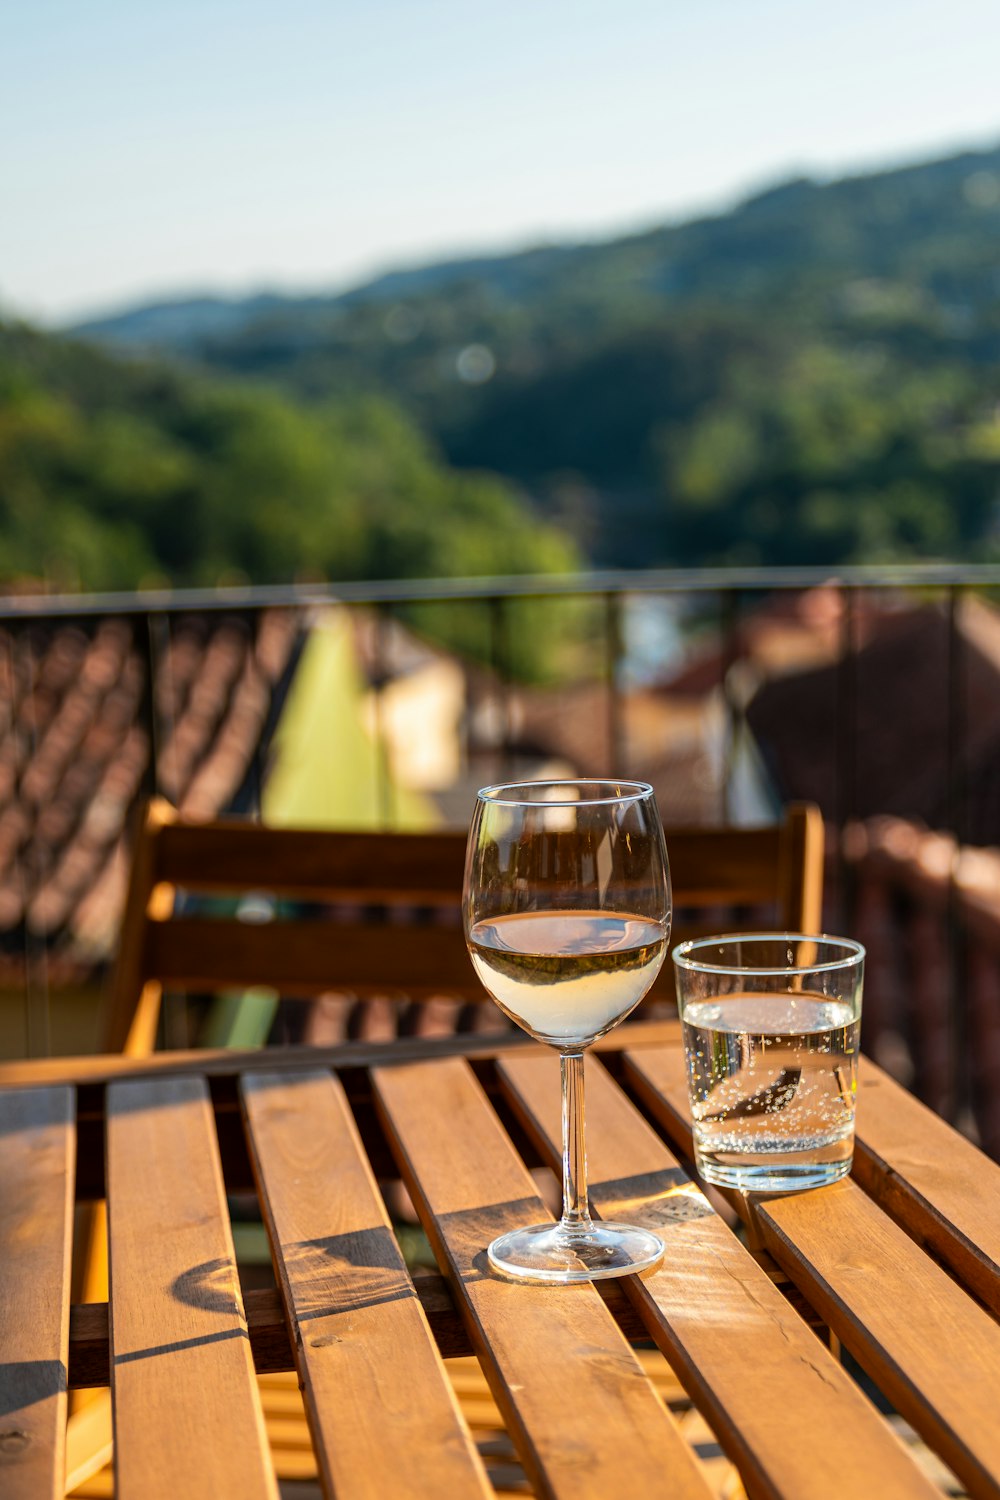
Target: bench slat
x=309, y=958
x=37, y=1157
x=235, y=855
x=187, y=1421
x=365, y=1343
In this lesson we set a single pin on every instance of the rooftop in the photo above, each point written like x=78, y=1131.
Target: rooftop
x=75, y=753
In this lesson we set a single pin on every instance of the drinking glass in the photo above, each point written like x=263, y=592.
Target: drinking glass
x=771, y=1025
x=567, y=916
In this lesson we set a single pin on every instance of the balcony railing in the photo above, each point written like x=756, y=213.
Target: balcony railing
x=645, y=630
x=731, y=595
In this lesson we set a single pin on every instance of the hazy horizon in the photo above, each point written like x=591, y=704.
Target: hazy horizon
x=207, y=291
x=220, y=149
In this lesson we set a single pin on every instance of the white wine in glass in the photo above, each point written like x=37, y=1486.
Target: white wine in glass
x=567, y=918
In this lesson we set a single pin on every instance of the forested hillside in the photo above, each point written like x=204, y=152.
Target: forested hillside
x=115, y=474
x=814, y=377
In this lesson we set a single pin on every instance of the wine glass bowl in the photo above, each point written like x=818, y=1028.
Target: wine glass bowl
x=567, y=918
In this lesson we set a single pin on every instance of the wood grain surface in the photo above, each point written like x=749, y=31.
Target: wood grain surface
x=364, y=1345
x=585, y=1420
x=905, y=1320
x=37, y=1156
x=938, y=1185
x=311, y=957
x=222, y=1062
x=187, y=1412
x=744, y=1355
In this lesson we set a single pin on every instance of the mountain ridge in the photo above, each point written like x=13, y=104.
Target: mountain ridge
x=176, y=321
x=812, y=377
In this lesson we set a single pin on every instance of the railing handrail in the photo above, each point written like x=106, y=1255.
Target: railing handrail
x=529, y=585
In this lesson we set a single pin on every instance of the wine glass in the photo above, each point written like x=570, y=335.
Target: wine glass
x=567, y=916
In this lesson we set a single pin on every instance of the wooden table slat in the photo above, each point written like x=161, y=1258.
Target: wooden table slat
x=365, y=1345
x=584, y=1418
x=89, y=1363
x=222, y=1062
x=187, y=1412
x=866, y=1253
x=716, y=1314
x=906, y=1321
x=37, y=1154
x=938, y=1185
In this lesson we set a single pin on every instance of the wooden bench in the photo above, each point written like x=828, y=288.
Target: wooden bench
x=384, y=909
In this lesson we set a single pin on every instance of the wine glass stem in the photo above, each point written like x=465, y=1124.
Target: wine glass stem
x=575, y=1215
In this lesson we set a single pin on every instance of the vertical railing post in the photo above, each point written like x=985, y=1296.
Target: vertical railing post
x=15, y=665
x=845, y=791
x=957, y=817
x=150, y=634
x=500, y=663
x=612, y=667
x=253, y=806
x=151, y=639
x=37, y=1016
x=729, y=612
x=384, y=797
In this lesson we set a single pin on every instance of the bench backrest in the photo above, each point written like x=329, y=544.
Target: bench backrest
x=312, y=912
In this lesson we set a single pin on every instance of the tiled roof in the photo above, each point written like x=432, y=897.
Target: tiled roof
x=785, y=632
x=675, y=732
x=668, y=742
x=895, y=697
x=74, y=753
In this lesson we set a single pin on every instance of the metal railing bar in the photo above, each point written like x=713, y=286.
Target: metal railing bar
x=38, y=1019
x=613, y=654
x=79, y=607
x=150, y=644
x=729, y=629
x=957, y=813
x=380, y=744
x=12, y=652
x=151, y=616
x=845, y=792
x=956, y=721
x=500, y=665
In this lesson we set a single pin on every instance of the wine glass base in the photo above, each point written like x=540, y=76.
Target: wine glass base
x=554, y=1254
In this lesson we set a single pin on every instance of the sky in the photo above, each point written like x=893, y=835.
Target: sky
x=227, y=146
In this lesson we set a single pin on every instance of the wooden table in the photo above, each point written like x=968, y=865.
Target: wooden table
x=900, y=1262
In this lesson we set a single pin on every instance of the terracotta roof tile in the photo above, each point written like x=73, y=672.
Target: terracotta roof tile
x=275, y=640
x=74, y=753
x=106, y=654
x=15, y=825
x=79, y=781
x=62, y=661
x=8, y=779
x=11, y=905
x=94, y=922
x=56, y=821
x=177, y=670
x=48, y=911
x=36, y=712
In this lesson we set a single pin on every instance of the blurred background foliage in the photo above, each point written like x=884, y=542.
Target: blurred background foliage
x=119, y=473
x=811, y=378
